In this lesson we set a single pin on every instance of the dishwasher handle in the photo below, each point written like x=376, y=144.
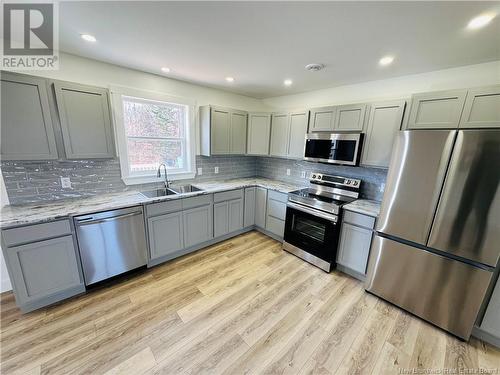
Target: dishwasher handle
x=88, y=221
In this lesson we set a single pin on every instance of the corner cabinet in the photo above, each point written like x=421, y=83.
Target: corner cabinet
x=223, y=131
x=27, y=129
x=84, y=113
x=249, y=207
x=288, y=132
x=384, y=121
x=259, y=133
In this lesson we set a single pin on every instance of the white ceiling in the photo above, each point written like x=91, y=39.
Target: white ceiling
x=262, y=43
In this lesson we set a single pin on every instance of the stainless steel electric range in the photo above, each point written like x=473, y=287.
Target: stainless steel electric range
x=313, y=217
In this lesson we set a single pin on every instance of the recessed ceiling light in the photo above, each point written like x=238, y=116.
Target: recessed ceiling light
x=165, y=69
x=480, y=21
x=386, y=60
x=88, y=38
x=229, y=79
x=287, y=82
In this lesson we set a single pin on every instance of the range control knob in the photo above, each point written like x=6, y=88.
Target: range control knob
x=355, y=183
x=313, y=176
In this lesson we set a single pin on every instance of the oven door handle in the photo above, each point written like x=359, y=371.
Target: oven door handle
x=323, y=215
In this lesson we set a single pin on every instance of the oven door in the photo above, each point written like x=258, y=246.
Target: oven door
x=333, y=148
x=312, y=231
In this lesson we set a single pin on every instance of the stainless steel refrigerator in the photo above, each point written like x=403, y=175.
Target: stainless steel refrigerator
x=437, y=239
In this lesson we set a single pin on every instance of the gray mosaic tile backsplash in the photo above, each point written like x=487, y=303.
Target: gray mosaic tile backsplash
x=275, y=168
x=29, y=182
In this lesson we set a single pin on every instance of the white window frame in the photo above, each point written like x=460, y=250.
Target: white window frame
x=117, y=94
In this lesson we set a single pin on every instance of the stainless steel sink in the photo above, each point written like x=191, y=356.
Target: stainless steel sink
x=158, y=193
x=185, y=189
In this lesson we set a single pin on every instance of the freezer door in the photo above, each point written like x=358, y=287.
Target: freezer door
x=467, y=222
x=416, y=174
x=445, y=292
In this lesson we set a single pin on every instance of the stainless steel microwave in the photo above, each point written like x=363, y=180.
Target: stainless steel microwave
x=334, y=148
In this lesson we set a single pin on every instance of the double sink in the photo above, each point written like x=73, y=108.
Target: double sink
x=173, y=190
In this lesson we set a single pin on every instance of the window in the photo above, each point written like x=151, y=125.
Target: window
x=153, y=132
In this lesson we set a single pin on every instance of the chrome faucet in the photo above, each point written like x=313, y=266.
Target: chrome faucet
x=158, y=174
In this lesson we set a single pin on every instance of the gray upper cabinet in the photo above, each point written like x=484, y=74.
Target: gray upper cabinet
x=322, y=119
x=238, y=133
x=166, y=234
x=27, y=130
x=249, y=207
x=84, y=114
x=384, y=121
x=298, y=131
x=436, y=110
x=259, y=133
x=280, y=127
x=350, y=117
x=260, y=207
x=223, y=131
x=482, y=108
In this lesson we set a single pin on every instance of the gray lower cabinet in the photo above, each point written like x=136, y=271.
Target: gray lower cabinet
x=276, y=212
x=84, y=113
x=166, y=234
x=491, y=319
x=355, y=242
x=27, y=131
x=436, y=110
x=260, y=207
x=228, y=212
x=44, y=271
x=198, y=220
x=384, y=121
x=249, y=207
x=482, y=108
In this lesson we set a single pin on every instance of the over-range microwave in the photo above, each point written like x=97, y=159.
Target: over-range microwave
x=334, y=148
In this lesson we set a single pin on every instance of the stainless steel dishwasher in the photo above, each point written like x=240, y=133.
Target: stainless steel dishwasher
x=111, y=242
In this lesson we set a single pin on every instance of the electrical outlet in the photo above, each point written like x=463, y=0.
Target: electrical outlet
x=303, y=174
x=66, y=182
x=200, y=171
x=382, y=188
x=288, y=171
x=216, y=170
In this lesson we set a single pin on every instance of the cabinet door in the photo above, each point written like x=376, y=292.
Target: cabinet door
x=42, y=269
x=220, y=123
x=26, y=132
x=354, y=247
x=298, y=131
x=491, y=320
x=238, y=133
x=235, y=210
x=350, y=117
x=221, y=219
x=383, y=124
x=259, y=131
x=436, y=110
x=85, y=121
x=260, y=207
x=198, y=225
x=166, y=234
x=322, y=119
x=249, y=207
x=279, y=134
x=482, y=108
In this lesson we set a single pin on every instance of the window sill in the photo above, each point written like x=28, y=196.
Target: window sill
x=136, y=180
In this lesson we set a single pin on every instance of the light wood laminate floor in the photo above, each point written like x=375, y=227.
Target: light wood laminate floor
x=241, y=306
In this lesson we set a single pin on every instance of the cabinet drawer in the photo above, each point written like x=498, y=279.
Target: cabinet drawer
x=359, y=219
x=197, y=201
x=275, y=226
x=228, y=195
x=277, y=196
x=276, y=209
x=163, y=207
x=37, y=232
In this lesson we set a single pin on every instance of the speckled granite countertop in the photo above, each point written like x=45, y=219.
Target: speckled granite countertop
x=364, y=206
x=37, y=213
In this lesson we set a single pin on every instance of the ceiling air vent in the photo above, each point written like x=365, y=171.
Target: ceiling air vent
x=314, y=67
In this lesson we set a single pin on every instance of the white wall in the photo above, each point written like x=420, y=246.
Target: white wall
x=394, y=88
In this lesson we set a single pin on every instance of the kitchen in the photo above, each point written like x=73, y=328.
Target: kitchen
x=163, y=220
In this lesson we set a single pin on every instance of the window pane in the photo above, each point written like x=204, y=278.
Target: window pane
x=148, y=154
x=153, y=119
